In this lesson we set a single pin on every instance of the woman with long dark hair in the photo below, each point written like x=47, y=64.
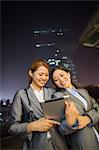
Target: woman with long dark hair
x=86, y=136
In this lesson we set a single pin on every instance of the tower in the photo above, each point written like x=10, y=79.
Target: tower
x=57, y=47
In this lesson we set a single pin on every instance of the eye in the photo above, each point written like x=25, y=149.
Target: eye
x=40, y=74
x=46, y=75
x=55, y=80
x=62, y=75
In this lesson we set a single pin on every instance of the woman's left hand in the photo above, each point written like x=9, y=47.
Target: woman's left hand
x=83, y=121
x=71, y=113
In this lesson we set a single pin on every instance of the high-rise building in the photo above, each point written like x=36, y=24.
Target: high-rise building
x=60, y=45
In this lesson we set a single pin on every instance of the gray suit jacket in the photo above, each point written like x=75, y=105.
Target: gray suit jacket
x=85, y=138
x=21, y=116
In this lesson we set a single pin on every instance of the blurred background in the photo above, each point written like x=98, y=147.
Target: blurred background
x=61, y=32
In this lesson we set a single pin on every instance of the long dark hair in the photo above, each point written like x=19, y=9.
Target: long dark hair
x=64, y=69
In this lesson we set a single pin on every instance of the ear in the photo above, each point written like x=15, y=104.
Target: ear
x=69, y=74
x=30, y=73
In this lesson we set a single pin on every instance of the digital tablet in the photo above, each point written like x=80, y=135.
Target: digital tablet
x=54, y=109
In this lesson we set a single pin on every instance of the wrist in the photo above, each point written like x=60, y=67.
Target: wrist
x=72, y=123
x=31, y=127
x=76, y=124
x=88, y=119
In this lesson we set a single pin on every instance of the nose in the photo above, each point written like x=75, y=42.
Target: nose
x=44, y=77
x=60, y=79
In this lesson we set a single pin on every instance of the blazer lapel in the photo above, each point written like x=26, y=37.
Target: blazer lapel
x=34, y=102
x=75, y=99
x=46, y=94
x=84, y=95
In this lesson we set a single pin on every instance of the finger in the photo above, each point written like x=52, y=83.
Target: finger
x=50, y=125
x=70, y=107
x=72, y=104
x=77, y=111
x=66, y=102
x=79, y=127
x=67, y=105
x=73, y=107
x=55, y=122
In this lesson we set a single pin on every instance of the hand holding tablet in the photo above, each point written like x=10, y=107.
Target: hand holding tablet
x=55, y=108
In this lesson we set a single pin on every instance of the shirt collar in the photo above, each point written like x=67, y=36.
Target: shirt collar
x=34, y=88
x=71, y=89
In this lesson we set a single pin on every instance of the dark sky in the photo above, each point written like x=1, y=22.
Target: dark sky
x=18, y=21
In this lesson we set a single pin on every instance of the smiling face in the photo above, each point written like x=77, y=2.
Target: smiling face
x=39, y=77
x=62, y=78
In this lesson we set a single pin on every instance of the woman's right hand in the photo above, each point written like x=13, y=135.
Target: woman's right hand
x=41, y=125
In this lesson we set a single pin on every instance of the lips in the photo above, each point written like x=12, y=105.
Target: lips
x=64, y=83
x=43, y=82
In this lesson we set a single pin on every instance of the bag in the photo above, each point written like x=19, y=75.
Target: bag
x=28, y=115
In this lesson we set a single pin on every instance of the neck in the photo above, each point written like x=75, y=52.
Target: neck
x=69, y=86
x=34, y=86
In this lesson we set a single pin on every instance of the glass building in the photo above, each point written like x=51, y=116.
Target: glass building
x=60, y=45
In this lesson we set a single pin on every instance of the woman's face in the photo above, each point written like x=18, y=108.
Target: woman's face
x=62, y=78
x=40, y=77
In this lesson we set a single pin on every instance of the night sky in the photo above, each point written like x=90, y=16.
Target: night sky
x=18, y=21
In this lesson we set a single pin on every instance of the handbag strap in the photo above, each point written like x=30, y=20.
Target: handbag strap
x=27, y=97
x=31, y=115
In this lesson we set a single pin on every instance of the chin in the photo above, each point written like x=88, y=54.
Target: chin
x=41, y=85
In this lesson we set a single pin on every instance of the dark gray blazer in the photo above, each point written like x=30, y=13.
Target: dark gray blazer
x=85, y=138
x=21, y=116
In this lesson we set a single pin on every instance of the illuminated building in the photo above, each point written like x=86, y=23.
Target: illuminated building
x=60, y=45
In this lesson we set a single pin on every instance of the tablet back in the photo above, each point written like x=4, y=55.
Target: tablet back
x=54, y=109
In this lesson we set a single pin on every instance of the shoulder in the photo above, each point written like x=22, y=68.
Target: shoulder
x=58, y=94
x=19, y=95
x=52, y=90
x=20, y=92
x=83, y=91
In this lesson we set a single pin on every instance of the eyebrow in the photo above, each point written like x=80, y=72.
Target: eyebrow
x=55, y=78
